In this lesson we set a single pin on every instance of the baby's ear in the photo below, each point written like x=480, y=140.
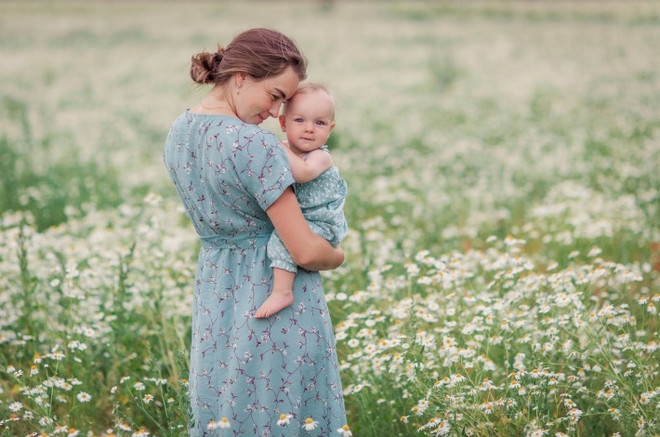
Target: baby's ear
x=332, y=126
x=282, y=120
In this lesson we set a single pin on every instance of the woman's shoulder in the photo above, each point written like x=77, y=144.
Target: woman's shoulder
x=256, y=135
x=231, y=124
x=223, y=127
x=255, y=131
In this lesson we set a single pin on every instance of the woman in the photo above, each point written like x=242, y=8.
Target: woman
x=255, y=377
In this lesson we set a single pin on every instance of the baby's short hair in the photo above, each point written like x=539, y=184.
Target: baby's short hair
x=310, y=87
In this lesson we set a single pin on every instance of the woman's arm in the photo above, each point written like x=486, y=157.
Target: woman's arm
x=304, y=170
x=308, y=250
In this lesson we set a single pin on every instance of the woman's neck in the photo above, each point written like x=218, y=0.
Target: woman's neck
x=214, y=103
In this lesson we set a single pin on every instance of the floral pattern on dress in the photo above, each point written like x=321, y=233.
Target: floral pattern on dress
x=247, y=374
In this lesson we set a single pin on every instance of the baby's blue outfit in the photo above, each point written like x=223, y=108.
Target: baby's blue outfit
x=322, y=203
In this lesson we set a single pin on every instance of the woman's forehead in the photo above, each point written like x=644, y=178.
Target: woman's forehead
x=284, y=85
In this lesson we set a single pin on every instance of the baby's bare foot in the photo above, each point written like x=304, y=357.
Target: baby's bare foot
x=276, y=301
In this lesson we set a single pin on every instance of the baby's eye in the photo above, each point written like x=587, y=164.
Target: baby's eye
x=298, y=120
x=321, y=123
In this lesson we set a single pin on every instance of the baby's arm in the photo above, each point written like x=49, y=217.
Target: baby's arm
x=305, y=170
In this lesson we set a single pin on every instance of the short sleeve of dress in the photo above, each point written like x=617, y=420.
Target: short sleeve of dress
x=265, y=171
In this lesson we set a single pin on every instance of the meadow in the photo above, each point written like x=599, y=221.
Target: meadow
x=503, y=261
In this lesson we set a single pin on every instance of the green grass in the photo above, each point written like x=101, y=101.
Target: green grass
x=502, y=273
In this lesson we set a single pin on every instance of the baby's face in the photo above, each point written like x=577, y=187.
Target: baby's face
x=308, y=121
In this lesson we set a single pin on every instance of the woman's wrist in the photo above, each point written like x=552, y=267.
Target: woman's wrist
x=322, y=255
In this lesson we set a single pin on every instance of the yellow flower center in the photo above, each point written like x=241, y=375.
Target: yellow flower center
x=309, y=420
x=282, y=416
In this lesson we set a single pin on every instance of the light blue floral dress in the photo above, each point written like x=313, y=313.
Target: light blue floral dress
x=249, y=377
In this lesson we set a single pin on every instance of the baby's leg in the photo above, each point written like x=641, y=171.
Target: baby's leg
x=281, y=296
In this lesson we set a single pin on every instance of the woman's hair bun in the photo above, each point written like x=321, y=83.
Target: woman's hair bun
x=204, y=66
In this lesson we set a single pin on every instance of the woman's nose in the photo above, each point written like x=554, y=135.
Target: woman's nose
x=274, y=110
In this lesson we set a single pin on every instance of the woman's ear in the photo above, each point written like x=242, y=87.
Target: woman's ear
x=239, y=78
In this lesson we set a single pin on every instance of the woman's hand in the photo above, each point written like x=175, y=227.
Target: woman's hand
x=308, y=250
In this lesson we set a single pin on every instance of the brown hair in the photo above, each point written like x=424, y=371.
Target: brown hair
x=258, y=52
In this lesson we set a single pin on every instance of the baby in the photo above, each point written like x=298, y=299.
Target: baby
x=308, y=118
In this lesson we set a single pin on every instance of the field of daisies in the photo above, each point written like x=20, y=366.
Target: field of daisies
x=503, y=261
